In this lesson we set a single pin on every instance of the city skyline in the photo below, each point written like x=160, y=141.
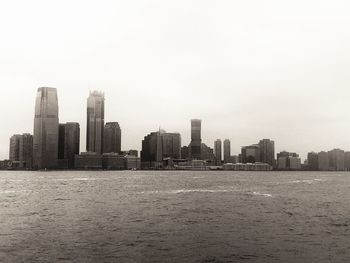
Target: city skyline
x=83, y=136
x=248, y=70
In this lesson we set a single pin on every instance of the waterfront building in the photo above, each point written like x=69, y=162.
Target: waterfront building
x=218, y=152
x=113, y=161
x=336, y=160
x=14, y=147
x=88, y=161
x=26, y=151
x=95, y=122
x=21, y=150
x=294, y=163
x=323, y=161
x=247, y=167
x=45, y=139
x=267, y=151
x=171, y=145
x=233, y=159
x=312, y=161
x=347, y=161
x=196, y=139
x=61, y=135
x=227, y=150
x=133, y=162
x=250, y=154
x=207, y=154
x=185, y=152
x=69, y=144
x=288, y=161
x=159, y=145
x=112, y=138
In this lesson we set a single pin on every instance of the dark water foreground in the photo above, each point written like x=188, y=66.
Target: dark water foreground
x=174, y=217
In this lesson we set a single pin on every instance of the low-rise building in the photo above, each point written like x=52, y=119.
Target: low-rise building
x=88, y=160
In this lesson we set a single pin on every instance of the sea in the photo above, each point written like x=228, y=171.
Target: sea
x=174, y=216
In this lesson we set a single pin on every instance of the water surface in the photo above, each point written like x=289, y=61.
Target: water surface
x=174, y=216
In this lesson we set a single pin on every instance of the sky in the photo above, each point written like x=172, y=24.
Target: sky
x=249, y=69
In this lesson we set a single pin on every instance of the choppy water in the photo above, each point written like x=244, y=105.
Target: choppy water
x=174, y=217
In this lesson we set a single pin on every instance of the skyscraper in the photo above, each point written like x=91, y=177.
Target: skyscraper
x=112, y=138
x=171, y=145
x=26, y=151
x=323, y=161
x=61, y=141
x=14, y=147
x=250, y=154
x=45, y=141
x=196, y=140
x=95, y=122
x=267, y=151
x=312, y=160
x=69, y=142
x=227, y=150
x=336, y=160
x=218, y=151
x=159, y=145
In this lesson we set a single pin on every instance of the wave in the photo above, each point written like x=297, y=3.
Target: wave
x=184, y=191
x=261, y=194
x=307, y=181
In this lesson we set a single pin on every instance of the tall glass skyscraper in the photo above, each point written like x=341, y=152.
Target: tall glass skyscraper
x=95, y=122
x=196, y=139
x=45, y=140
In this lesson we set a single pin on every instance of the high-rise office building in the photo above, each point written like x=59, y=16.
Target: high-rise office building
x=95, y=122
x=336, y=160
x=14, y=147
x=45, y=140
x=71, y=142
x=227, y=150
x=26, y=151
x=267, y=151
x=196, y=139
x=61, y=140
x=347, y=161
x=207, y=154
x=159, y=145
x=312, y=160
x=288, y=161
x=171, y=145
x=218, y=151
x=323, y=161
x=250, y=154
x=112, y=138
x=68, y=144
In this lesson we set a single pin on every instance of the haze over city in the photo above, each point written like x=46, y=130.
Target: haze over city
x=249, y=70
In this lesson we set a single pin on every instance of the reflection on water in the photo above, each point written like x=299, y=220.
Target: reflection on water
x=174, y=217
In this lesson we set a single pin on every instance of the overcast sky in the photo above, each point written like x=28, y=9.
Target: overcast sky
x=249, y=69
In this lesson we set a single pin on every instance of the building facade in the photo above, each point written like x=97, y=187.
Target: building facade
x=250, y=154
x=227, y=150
x=45, y=138
x=95, y=122
x=312, y=160
x=267, y=151
x=14, y=147
x=336, y=160
x=218, y=152
x=112, y=138
x=196, y=139
x=157, y=146
x=323, y=161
